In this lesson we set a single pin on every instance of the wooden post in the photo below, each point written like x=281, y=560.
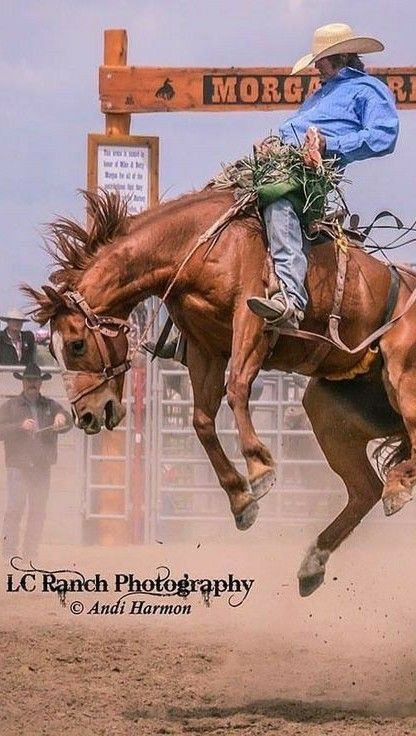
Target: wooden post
x=115, y=54
x=113, y=531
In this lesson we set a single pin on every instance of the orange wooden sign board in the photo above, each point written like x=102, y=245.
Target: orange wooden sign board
x=132, y=89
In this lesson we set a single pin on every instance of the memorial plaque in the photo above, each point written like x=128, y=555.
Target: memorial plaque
x=127, y=164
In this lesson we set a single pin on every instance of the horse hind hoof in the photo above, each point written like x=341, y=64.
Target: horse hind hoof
x=247, y=517
x=262, y=485
x=308, y=585
x=394, y=502
x=312, y=570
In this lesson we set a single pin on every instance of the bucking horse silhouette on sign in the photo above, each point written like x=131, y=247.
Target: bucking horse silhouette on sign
x=102, y=274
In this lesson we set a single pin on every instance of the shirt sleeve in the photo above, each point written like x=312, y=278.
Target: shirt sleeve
x=377, y=114
x=58, y=409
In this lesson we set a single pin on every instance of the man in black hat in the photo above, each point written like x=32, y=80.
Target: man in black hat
x=17, y=346
x=29, y=426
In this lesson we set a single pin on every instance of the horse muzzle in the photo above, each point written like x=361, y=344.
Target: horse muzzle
x=91, y=421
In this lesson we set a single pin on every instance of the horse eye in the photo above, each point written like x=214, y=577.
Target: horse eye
x=78, y=348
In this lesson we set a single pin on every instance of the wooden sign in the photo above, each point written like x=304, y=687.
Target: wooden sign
x=127, y=164
x=131, y=89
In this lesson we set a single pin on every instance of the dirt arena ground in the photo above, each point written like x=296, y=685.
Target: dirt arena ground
x=340, y=662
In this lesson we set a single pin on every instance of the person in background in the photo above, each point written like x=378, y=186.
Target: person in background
x=29, y=427
x=17, y=347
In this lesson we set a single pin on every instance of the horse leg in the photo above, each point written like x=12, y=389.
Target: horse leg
x=398, y=348
x=207, y=372
x=249, y=350
x=355, y=413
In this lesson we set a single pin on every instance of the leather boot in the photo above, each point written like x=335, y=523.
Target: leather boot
x=277, y=310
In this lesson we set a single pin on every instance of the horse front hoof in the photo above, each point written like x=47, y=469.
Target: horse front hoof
x=308, y=585
x=262, y=485
x=247, y=517
x=394, y=502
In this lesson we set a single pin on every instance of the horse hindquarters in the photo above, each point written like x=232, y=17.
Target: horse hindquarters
x=355, y=412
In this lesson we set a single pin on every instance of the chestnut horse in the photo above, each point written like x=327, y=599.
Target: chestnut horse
x=103, y=274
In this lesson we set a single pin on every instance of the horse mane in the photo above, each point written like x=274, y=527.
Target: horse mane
x=73, y=248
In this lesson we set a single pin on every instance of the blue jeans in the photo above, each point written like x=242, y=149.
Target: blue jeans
x=289, y=249
x=25, y=486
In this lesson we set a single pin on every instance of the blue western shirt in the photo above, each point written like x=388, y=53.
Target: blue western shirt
x=354, y=111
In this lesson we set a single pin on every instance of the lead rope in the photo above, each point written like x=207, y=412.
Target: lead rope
x=214, y=233
x=135, y=349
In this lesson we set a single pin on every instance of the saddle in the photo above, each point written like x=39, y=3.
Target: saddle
x=332, y=227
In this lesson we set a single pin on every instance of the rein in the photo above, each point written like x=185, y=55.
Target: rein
x=100, y=326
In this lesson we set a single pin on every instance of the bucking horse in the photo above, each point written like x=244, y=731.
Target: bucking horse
x=362, y=372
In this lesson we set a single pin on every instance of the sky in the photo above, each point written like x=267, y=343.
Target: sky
x=50, y=51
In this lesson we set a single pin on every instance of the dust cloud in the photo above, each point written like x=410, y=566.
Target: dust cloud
x=342, y=661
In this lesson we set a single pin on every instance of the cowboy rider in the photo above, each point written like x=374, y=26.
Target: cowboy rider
x=352, y=117
x=355, y=117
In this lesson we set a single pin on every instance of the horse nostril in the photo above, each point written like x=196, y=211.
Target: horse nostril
x=86, y=420
x=110, y=422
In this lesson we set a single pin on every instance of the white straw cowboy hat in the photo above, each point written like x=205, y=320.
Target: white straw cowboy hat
x=336, y=38
x=14, y=314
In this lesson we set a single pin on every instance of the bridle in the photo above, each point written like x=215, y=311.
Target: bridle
x=81, y=383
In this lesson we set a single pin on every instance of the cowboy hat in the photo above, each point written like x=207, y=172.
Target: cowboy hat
x=32, y=371
x=14, y=314
x=336, y=38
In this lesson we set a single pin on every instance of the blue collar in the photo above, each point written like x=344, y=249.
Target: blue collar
x=345, y=73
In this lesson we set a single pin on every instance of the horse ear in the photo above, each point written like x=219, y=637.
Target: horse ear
x=49, y=291
x=46, y=302
x=54, y=296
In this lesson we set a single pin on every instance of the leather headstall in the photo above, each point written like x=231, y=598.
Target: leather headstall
x=101, y=326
